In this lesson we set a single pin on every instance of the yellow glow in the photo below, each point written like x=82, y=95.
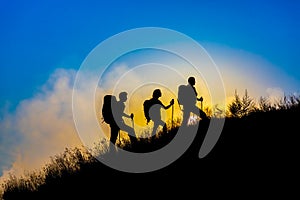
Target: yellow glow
x=134, y=105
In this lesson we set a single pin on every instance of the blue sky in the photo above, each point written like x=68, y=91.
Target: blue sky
x=249, y=40
x=39, y=36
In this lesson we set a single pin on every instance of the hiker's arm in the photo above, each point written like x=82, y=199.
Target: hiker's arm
x=125, y=115
x=171, y=103
x=200, y=99
x=128, y=116
x=166, y=107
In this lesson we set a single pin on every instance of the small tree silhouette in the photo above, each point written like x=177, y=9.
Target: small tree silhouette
x=264, y=104
x=288, y=102
x=248, y=104
x=75, y=170
x=241, y=107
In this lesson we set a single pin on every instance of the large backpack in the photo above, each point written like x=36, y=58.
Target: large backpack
x=147, y=105
x=107, y=109
x=182, y=94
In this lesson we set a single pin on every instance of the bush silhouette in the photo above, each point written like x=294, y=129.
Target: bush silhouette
x=258, y=144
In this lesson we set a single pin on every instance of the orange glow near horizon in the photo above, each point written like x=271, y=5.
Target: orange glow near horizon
x=134, y=104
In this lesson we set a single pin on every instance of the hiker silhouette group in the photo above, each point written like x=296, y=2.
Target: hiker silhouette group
x=113, y=110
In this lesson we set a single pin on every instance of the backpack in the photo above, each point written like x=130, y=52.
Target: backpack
x=107, y=109
x=147, y=105
x=182, y=94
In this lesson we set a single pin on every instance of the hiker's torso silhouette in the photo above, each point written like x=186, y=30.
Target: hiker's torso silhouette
x=190, y=96
x=187, y=96
x=118, y=111
x=154, y=111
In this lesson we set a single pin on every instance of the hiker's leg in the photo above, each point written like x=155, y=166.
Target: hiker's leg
x=127, y=129
x=165, y=128
x=202, y=114
x=155, y=126
x=186, y=116
x=164, y=125
x=158, y=123
x=199, y=112
x=114, y=131
x=130, y=131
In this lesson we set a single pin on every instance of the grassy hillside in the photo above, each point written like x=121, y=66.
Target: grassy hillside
x=257, y=153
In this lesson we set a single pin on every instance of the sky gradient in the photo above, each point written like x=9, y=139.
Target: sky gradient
x=255, y=44
x=38, y=37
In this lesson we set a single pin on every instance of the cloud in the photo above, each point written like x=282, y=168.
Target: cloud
x=275, y=94
x=43, y=125
x=40, y=127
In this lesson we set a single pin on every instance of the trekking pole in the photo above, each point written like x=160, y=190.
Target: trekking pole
x=172, y=116
x=119, y=137
x=134, y=137
x=132, y=123
x=131, y=116
x=201, y=105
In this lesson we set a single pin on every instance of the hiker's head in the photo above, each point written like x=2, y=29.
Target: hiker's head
x=123, y=96
x=156, y=93
x=191, y=80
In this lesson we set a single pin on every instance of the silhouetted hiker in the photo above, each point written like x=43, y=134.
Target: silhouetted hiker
x=152, y=110
x=187, y=96
x=119, y=114
x=109, y=102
